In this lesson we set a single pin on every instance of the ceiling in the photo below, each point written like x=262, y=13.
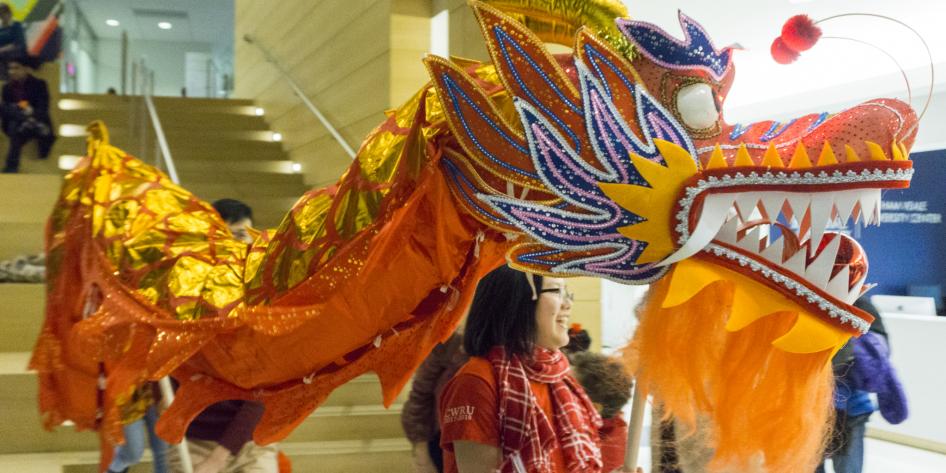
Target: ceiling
x=204, y=21
x=831, y=64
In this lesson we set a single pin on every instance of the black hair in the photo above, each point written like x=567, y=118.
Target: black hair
x=578, y=341
x=22, y=60
x=502, y=313
x=232, y=210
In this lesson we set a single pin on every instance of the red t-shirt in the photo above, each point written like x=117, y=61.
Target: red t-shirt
x=469, y=410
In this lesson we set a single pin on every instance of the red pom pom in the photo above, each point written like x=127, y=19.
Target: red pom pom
x=800, y=33
x=782, y=53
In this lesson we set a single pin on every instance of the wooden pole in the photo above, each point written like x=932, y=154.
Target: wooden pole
x=635, y=428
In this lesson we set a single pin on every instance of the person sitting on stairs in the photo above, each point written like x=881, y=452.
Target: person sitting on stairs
x=25, y=113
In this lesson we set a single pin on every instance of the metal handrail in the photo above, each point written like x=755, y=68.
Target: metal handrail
x=299, y=93
x=147, y=86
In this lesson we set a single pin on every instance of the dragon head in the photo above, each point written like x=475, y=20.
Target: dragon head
x=626, y=170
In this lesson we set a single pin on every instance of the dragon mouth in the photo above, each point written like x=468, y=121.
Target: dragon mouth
x=830, y=262
x=773, y=225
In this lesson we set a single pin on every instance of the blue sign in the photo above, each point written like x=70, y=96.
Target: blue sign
x=909, y=247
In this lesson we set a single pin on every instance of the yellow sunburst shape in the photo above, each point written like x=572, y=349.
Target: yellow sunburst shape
x=655, y=203
x=752, y=301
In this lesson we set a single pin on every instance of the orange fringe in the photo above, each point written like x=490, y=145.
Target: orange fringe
x=763, y=404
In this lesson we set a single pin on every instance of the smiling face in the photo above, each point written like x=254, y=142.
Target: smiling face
x=553, y=312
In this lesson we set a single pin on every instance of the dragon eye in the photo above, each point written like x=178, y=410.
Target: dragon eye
x=697, y=106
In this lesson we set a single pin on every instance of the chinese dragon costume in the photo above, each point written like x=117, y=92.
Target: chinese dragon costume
x=613, y=161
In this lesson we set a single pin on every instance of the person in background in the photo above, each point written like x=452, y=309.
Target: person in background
x=860, y=368
x=514, y=406
x=220, y=439
x=419, y=415
x=25, y=113
x=609, y=387
x=140, y=414
x=238, y=216
x=578, y=340
x=12, y=38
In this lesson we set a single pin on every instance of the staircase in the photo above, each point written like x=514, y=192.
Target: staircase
x=221, y=148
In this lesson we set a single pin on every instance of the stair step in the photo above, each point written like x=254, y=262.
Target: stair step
x=22, y=312
x=200, y=120
x=21, y=238
x=352, y=412
x=105, y=101
x=181, y=150
x=28, y=197
x=387, y=454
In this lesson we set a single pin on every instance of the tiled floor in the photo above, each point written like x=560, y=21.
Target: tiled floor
x=880, y=457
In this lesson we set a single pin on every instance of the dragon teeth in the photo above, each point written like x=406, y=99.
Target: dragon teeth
x=774, y=251
x=844, y=203
x=819, y=270
x=727, y=234
x=816, y=211
x=821, y=207
x=751, y=240
x=838, y=287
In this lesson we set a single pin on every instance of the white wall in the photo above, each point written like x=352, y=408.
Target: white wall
x=916, y=343
x=165, y=58
x=618, y=321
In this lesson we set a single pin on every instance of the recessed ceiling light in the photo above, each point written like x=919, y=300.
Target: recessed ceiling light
x=277, y=136
x=259, y=111
x=164, y=25
x=112, y=22
x=296, y=167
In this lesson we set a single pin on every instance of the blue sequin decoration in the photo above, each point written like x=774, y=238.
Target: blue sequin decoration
x=696, y=50
x=453, y=89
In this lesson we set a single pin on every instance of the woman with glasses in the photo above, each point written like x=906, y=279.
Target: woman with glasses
x=514, y=407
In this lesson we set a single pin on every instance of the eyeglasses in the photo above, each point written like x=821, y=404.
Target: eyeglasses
x=563, y=293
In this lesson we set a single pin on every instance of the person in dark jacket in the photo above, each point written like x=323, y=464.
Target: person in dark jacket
x=220, y=439
x=25, y=113
x=860, y=368
x=419, y=415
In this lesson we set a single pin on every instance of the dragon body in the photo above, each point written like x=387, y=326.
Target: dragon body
x=613, y=162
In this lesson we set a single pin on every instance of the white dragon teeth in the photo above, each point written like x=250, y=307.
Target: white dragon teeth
x=844, y=203
x=799, y=204
x=796, y=263
x=821, y=207
x=726, y=213
x=774, y=251
x=855, y=291
x=773, y=202
x=819, y=270
x=751, y=240
x=838, y=287
x=727, y=234
x=715, y=210
x=746, y=203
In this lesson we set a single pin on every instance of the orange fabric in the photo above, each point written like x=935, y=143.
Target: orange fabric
x=469, y=411
x=285, y=465
x=757, y=398
x=379, y=294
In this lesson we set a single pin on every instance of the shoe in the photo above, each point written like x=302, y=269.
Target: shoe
x=9, y=171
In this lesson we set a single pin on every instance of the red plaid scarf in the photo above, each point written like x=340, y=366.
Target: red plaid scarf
x=526, y=434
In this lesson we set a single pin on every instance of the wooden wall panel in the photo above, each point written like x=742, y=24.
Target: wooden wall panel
x=338, y=51
x=354, y=59
x=587, y=307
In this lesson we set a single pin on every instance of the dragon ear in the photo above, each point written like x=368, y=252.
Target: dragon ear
x=530, y=73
